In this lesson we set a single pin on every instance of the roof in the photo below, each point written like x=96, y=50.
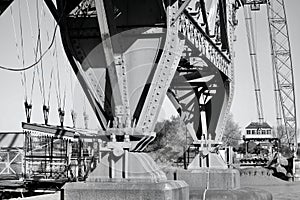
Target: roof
x=11, y=140
x=59, y=132
x=256, y=125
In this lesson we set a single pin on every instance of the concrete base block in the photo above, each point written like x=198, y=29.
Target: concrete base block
x=207, y=178
x=238, y=194
x=168, y=190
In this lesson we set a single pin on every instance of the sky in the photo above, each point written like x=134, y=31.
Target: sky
x=12, y=91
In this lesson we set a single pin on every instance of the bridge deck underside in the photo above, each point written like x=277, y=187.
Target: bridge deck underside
x=139, y=38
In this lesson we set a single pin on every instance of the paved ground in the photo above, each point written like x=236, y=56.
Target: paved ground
x=281, y=190
x=55, y=196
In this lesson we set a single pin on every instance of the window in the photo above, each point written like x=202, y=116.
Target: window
x=248, y=132
x=253, y=132
x=263, y=132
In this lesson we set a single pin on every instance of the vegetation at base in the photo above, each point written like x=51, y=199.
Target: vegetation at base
x=172, y=139
x=232, y=133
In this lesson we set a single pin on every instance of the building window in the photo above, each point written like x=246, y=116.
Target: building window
x=263, y=132
x=269, y=132
x=259, y=131
x=248, y=132
x=253, y=132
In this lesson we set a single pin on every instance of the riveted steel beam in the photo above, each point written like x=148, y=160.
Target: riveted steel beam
x=163, y=75
x=208, y=50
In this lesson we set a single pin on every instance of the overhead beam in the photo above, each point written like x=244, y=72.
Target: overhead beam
x=109, y=54
x=4, y=4
x=180, y=10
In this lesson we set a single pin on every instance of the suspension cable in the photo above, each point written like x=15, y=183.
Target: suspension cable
x=61, y=112
x=39, y=50
x=58, y=87
x=73, y=112
x=27, y=105
x=22, y=48
x=34, y=52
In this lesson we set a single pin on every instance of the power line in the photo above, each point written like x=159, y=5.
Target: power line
x=38, y=60
x=35, y=63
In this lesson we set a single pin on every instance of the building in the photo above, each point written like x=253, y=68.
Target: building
x=259, y=144
x=258, y=131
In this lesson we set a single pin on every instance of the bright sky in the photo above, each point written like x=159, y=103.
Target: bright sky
x=12, y=92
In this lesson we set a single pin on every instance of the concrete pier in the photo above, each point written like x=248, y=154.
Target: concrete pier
x=216, y=184
x=130, y=176
x=207, y=178
x=168, y=190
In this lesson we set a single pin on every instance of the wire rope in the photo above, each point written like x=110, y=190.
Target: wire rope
x=22, y=47
x=39, y=51
x=34, y=51
x=17, y=48
x=58, y=87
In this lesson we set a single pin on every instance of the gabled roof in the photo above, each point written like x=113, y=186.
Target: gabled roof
x=256, y=125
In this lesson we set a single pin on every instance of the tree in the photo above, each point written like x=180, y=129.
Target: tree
x=232, y=133
x=171, y=140
x=282, y=135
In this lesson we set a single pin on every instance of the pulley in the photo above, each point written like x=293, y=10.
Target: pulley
x=28, y=109
x=46, y=113
x=86, y=120
x=73, y=116
x=61, y=114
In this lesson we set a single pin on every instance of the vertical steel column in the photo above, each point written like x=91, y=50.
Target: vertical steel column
x=282, y=64
x=254, y=63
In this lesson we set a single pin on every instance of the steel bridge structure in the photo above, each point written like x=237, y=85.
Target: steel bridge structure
x=129, y=55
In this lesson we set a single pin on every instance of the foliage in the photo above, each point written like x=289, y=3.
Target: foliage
x=252, y=149
x=286, y=151
x=232, y=133
x=241, y=149
x=171, y=140
x=282, y=135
